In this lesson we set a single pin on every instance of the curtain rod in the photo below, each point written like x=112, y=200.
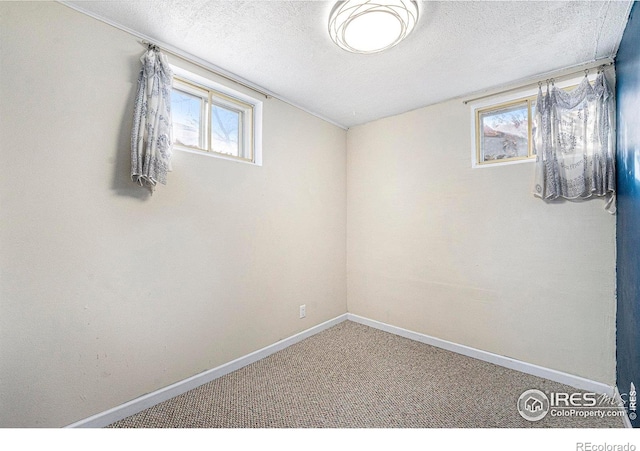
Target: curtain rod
x=555, y=75
x=206, y=67
x=198, y=62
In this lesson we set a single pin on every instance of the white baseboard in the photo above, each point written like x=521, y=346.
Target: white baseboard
x=524, y=367
x=151, y=399
x=143, y=402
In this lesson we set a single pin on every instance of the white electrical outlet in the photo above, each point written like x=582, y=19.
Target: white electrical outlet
x=303, y=311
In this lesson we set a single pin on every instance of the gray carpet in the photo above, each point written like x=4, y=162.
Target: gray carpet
x=354, y=376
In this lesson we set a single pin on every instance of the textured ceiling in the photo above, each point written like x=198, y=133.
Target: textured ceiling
x=457, y=47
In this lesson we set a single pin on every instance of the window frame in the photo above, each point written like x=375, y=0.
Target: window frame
x=528, y=101
x=499, y=101
x=230, y=99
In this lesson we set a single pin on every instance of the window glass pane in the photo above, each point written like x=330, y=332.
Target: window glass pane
x=533, y=122
x=186, y=112
x=504, y=132
x=225, y=131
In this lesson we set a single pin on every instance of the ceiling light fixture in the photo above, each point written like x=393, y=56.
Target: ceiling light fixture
x=370, y=26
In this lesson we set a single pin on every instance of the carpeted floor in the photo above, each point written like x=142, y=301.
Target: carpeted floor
x=354, y=376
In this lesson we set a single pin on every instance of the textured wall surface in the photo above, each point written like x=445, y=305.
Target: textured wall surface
x=106, y=293
x=628, y=238
x=470, y=255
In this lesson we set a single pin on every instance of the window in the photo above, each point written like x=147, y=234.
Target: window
x=503, y=126
x=503, y=132
x=214, y=119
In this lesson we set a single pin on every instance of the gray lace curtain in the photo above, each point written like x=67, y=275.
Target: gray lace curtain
x=574, y=145
x=151, y=136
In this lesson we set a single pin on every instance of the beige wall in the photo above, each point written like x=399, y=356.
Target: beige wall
x=108, y=294
x=469, y=255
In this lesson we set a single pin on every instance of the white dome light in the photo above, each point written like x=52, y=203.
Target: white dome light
x=370, y=26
